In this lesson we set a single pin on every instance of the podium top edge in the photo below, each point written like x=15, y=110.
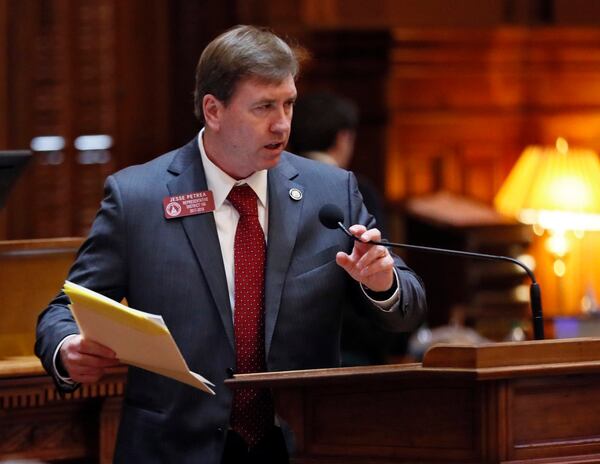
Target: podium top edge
x=505, y=354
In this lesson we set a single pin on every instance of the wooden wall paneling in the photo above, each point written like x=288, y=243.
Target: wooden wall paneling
x=19, y=69
x=94, y=76
x=462, y=13
x=83, y=68
x=485, y=174
x=51, y=115
x=285, y=18
x=444, y=104
x=354, y=64
x=39, y=96
x=576, y=12
x=142, y=81
x=581, y=127
x=3, y=98
x=563, y=94
x=4, y=39
x=192, y=25
x=430, y=153
x=391, y=13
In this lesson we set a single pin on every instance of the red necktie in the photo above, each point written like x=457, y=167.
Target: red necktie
x=252, y=412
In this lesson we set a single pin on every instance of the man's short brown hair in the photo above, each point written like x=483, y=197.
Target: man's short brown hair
x=242, y=52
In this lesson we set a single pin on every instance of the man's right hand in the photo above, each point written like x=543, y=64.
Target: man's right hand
x=86, y=360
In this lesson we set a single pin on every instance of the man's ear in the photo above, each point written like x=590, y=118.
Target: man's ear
x=213, y=109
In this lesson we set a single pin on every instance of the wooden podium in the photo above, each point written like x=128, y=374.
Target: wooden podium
x=498, y=403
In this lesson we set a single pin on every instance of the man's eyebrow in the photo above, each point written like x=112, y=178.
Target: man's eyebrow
x=270, y=101
x=263, y=101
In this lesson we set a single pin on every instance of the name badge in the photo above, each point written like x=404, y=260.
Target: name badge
x=188, y=204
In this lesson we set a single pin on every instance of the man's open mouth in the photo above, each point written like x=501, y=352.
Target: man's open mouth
x=274, y=146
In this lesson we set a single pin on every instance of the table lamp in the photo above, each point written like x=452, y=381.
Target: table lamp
x=555, y=189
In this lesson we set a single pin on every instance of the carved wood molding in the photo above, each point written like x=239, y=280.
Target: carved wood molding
x=36, y=422
x=32, y=392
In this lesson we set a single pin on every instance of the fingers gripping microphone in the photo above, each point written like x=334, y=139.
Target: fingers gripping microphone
x=332, y=217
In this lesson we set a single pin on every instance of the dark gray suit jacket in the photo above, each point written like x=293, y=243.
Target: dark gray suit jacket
x=174, y=268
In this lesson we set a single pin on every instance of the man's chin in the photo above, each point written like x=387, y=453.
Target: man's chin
x=273, y=157
x=272, y=164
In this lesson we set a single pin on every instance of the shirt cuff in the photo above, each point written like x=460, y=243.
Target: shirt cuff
x=387, y=304
x=61, y=378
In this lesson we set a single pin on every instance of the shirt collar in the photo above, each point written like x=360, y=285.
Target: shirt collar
x=221, y=183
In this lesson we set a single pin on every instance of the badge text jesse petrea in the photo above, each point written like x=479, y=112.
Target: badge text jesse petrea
x=189, y=196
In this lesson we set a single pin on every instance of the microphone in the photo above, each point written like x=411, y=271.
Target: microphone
x=332, y=217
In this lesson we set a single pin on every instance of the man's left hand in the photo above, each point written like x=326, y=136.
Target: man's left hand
x=371, y=265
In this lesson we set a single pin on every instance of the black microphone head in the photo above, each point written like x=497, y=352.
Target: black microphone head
x=330, y=215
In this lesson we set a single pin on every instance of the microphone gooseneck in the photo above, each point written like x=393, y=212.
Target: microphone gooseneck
x=332, y=217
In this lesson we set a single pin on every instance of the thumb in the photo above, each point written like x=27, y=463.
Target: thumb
x=343, y=260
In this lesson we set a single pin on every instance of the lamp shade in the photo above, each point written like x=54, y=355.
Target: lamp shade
x=555, y=188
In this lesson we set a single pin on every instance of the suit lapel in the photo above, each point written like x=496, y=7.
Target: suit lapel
x=201, y=230
x=284, y=216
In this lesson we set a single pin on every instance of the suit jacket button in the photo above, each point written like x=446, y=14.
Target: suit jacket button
x=229, y=371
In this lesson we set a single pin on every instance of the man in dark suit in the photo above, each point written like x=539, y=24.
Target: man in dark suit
x=189, y=268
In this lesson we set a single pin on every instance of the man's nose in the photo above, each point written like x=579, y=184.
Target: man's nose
x=281, y=122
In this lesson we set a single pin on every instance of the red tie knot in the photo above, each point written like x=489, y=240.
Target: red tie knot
x=243, y=199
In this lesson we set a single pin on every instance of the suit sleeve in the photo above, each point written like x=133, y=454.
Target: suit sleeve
x=410, y=309
x=99, y=266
